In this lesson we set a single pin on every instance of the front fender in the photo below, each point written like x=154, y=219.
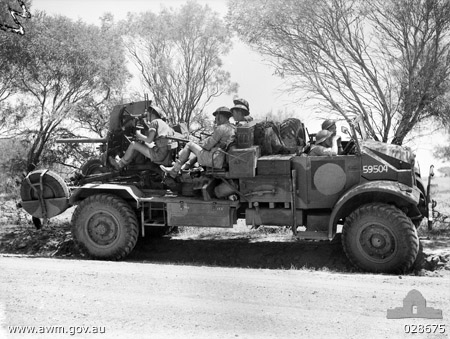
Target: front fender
x=390, y=192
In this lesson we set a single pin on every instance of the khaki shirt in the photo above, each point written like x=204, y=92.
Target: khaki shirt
x=162, y=129
x=319, y=150
x=222, y=136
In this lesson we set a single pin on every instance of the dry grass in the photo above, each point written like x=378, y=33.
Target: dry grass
x=440, y=191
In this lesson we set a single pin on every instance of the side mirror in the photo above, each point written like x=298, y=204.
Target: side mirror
x=345, y=130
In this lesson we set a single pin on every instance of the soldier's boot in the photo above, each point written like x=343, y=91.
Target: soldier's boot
x=189, y=164
x=117, y=165
x=172, y=171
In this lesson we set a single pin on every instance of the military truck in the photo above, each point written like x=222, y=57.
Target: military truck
x=372, y=194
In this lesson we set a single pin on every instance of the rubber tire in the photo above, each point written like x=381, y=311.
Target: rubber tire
x=93, y=166
x=394, y=221
x=54, y=186
x=117, y=211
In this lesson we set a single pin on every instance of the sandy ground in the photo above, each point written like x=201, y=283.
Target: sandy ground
x=141, y=300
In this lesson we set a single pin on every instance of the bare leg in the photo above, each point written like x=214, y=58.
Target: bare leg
x=131, y=152
x=129, y=155
x=183, y=157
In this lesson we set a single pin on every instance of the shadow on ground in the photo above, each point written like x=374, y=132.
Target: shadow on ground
x=242, y=252
x=243, y=249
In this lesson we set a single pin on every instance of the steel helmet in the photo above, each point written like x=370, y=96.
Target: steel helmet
x=328, y=123
x=223, y=110
x=323, y=135
x=243, y=102
x=158, y=111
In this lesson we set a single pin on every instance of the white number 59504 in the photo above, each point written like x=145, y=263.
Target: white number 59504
x=368, y=169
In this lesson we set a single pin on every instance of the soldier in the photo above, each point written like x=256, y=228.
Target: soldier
x=241, y=112
x=153, y=146
x=210, y=152
x=326, y=144
x=330, y=125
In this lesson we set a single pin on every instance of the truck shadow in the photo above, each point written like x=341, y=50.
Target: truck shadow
x=243, y=253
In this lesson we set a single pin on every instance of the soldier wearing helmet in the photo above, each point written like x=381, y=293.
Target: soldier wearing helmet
x=209, y=153
x=241, y=112
x=330, y=125
x=153, y=145
x=326, y=144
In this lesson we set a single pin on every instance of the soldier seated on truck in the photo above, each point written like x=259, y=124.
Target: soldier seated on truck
x=210, y=153
x=241, y=112
x=153, y=145
x=330, y=125
x=326, y=144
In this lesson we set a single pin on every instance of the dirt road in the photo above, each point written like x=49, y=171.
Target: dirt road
x=141, y=300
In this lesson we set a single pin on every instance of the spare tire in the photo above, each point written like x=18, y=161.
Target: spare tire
x=54, y=192
x=53, y=186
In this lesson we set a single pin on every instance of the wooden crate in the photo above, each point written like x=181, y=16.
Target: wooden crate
x=274, y=164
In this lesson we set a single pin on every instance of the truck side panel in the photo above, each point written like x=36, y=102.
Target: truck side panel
x=322, y=180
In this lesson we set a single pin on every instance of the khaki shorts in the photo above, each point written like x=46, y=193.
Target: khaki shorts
x=205, y=158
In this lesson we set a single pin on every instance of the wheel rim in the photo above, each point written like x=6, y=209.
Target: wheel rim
x=102, y=228
x=376, y=242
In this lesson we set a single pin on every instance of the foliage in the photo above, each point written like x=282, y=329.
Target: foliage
x=387, y=60
x=7, y=72
x=12, y=164
x=445, y=171
x=21, y=13
x=178, y=54
x=443, y=152
x=63, y=65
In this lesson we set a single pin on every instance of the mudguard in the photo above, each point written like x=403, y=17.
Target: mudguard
x=129, y=192
x=404, y=195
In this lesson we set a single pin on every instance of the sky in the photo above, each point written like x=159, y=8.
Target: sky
x=256, y=81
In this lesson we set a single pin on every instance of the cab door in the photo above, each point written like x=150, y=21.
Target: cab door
x=322, y=180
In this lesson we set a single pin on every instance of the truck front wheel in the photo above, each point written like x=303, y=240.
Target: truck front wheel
x=105, y=227
x=380, y=238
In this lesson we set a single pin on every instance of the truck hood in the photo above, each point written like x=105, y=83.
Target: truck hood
x=402, y=153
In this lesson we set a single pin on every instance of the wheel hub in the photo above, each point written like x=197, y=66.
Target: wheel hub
x=377, y=242
x=102, y=228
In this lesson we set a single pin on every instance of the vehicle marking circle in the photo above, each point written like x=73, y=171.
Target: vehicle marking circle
x=329, y=179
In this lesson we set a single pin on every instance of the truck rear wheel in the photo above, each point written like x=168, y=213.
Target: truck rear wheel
x=380, y=238
x=105, y=227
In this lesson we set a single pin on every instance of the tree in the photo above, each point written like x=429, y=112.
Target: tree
x=10, y=11
x=62, y=64
x=178, y=54
x=387, y=60
x=9, y=24
x=445, y=171
x=443, y=152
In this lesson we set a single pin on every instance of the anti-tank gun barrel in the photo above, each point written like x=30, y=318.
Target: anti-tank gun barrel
x=81, y=141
